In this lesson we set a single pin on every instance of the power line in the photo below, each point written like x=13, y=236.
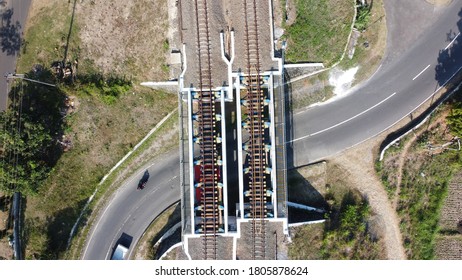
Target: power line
x=18, y=131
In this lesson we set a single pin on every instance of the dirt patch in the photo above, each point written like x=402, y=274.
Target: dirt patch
x=6, y=251
x=449, y=248
x=125, y=37
x=451, y=214
x=358, y=162
x=117, y=38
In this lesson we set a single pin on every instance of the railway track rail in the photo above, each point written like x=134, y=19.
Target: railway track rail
x=257, y=156
x=206, y=117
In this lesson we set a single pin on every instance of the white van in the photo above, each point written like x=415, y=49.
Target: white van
x=120, y=253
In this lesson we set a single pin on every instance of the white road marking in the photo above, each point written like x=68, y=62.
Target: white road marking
x=421, y=72
x=345, y=121
x=96, y=226
x=452, y=41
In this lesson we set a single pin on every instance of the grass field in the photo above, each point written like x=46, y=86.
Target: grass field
x=309, y=40
x=102, y=128
x=419, y=185
x=320, y=30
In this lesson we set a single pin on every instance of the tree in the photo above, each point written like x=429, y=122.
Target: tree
x=31, y=127
x=454, y=119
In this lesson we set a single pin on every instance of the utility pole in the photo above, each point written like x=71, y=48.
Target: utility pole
x=23, y=77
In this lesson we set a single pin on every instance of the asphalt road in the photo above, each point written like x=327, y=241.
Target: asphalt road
x=13, y=18
x=409, y=77
x=390, y=95
x=130, y=211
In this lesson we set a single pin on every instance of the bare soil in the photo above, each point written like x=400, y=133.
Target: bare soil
x=125, y=36
x=449, y=246
x=451, y=213
x=6, y=251
x=359, y=165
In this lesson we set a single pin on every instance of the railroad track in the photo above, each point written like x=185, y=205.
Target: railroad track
x=206, y=117
x=257, y=156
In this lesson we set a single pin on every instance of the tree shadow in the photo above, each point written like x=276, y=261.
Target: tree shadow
x=56, y=230
x=59, y=227
x=10, y=33
x=449, y=58
x=35, y=124
x=350, y=198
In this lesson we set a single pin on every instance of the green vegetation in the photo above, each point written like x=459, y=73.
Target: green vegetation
x=165, y=45
x=424, y=184
x=362, y=17
x=347, y=232
x=33, y=125
x=422, y=192
x=455, y=119
x=347, y=235
x=108, y=89
x=46, y=39
x=320, y=31
x=371, y=43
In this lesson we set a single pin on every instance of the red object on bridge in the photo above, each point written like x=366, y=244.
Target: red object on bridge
x=198, y=178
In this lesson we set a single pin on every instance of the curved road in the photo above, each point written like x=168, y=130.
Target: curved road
x=390, y=95
x=317, y=133
x=130, y=211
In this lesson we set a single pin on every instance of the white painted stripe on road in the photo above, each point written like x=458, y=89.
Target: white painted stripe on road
x=345, y=121
x=452, y=41
x=421, y=72
x=393, y=124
